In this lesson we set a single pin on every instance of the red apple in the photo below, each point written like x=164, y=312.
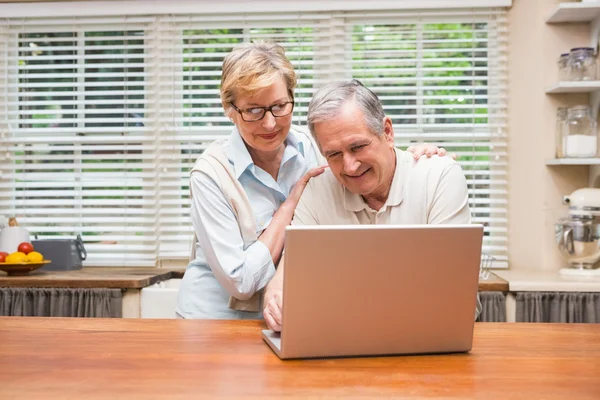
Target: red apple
x=25, y=247
x=3, y=256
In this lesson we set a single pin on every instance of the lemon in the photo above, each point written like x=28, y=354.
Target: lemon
x=16, y=258
x=35, y=257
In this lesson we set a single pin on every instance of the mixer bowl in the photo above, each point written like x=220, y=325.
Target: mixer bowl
x=579, y=242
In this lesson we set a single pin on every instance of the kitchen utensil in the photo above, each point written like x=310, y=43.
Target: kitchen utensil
x=11, y=237
x=485, y=266
x=578, y=235
x=66, y=254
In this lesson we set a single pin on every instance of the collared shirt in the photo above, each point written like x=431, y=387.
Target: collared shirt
x=428, y=191
x=223, y=266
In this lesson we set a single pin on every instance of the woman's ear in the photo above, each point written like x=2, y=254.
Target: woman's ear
x=229, y=114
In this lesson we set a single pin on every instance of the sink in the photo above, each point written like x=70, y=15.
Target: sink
x=159, y=300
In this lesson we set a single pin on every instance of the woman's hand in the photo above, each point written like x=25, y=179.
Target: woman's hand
x=429, y=150
x=274, y=235
x=296, y=192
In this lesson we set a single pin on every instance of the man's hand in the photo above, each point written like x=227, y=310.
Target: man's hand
x=429, y=150
x=272, y=311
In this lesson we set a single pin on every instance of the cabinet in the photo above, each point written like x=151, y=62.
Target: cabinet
x=586, y=12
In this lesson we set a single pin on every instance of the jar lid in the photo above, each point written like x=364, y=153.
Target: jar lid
x=579, y=107
x=582, y=48
x=564, y=55
x=577, y=220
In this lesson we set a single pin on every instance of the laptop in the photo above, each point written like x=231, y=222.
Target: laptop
x=368, y=290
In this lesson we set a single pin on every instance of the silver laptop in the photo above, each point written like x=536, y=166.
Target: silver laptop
x=378, y=290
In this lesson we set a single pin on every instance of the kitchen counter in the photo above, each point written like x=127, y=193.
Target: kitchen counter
x=131, y=280
x=548, y=281
x=494, y=283
x=138, y=277
x=93, y=277
x=167, y=359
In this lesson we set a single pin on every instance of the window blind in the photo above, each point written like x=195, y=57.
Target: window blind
x=442, y=77
x=102, y=118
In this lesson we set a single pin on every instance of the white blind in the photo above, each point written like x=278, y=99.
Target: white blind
x=442, y=79
x=102, y=118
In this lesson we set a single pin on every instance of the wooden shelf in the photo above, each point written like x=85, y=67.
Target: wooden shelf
x=586, y=12
x=573, y=161
x=574, y=12
x=574, y=87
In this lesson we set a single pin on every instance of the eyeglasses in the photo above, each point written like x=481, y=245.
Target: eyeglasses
x=254, y=114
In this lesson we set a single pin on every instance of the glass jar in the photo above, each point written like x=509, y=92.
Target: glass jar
x=563, y=60
x=561, y=119
x=580, y=134
x=581, y=65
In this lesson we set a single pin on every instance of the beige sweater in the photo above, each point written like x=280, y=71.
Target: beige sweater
x=214, y=163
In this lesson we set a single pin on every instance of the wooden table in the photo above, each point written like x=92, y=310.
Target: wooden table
x=43, y=358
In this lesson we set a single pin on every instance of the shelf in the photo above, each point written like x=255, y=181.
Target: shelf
x=574, y=12
x=574, y=87
x=591, y=87
x=573, y=161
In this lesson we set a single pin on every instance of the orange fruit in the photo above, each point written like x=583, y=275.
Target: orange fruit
x=16, y=258
x=35, y=257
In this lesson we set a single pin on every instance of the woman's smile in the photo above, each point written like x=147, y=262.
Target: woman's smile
x=269, y=136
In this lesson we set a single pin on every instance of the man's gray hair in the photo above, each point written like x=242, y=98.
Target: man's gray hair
x=329, y=99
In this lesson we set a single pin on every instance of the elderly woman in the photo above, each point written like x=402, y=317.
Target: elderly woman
x=245, y=188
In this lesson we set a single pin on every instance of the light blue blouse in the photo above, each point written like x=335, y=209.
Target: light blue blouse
x=223, y=267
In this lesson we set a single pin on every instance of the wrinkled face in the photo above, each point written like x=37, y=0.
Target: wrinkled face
x=269, y=133
x=360, y=160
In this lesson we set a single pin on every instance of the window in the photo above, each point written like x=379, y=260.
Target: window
x=442, y=80
x=102, y=118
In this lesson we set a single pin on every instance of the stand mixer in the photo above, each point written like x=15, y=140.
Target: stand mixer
x=578, y=235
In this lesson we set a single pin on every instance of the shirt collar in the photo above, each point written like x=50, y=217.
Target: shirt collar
x=238, y=153
x=292, y=147
x=240, y=156
x=397, y=190
x=355, y=203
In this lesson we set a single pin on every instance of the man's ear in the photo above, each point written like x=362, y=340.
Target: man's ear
x=388, y=130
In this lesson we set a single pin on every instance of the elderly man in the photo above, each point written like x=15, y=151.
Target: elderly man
x=369, y=181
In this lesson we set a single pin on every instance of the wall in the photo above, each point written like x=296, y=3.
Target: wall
x=535, y=190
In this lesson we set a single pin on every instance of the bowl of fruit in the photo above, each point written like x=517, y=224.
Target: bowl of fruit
x=22, y=261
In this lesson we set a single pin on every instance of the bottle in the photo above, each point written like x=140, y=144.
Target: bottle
x=580, y=134
x=581, y=65
x=561, y=119
x=562, y=67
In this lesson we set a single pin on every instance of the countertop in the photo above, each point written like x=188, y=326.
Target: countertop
x=551, y=281
x=137, y=278
x=167, y=359
x=493, y=284
x=93, y=277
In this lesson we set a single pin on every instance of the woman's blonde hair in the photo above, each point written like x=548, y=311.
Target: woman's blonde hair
x=252, y=67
